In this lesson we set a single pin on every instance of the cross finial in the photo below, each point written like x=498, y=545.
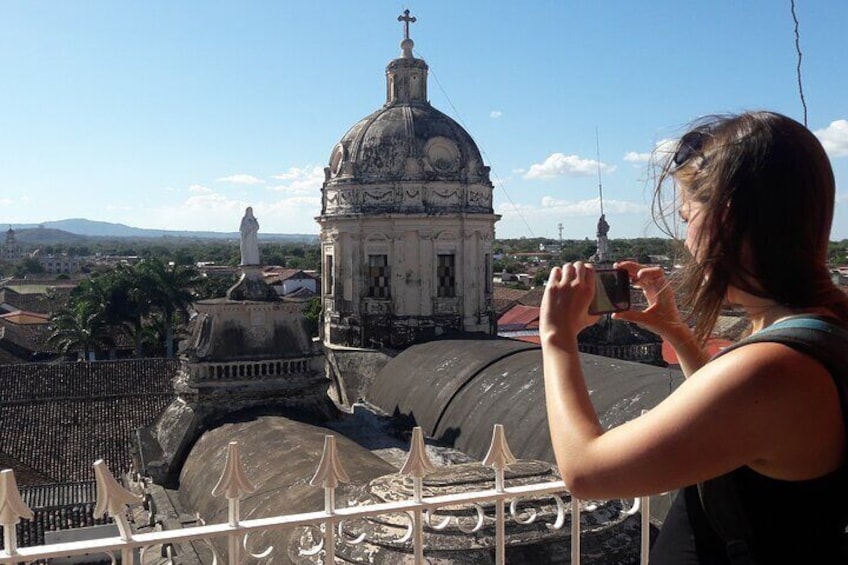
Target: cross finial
x=406, y=19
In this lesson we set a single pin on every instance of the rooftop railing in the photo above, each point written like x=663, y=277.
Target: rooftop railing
x=419, y=513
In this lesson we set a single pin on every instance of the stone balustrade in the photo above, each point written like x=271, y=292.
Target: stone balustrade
x=248, y=370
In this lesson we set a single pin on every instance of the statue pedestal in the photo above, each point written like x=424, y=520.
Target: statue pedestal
x=251, y=353
x=252, y=286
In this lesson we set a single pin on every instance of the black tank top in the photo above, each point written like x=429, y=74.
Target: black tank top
x=792, y=522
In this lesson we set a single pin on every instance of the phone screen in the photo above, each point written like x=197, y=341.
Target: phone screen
x=612, y=291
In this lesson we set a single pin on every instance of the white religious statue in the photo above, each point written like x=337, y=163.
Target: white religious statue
x=603, y=242
x=249, y=238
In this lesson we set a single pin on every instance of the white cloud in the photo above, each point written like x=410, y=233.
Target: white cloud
x=310, y=205
x=5, y=202
x=554, y=207
x=199, y=189
x=662, y=150
x=665, y=147
x=218, y=212
x=579, y=218
x=834, y=138
x=559, y=164
x=634, y=157
x=307, y=180
x=241, y=179
x=211, y=200
x=495, y=114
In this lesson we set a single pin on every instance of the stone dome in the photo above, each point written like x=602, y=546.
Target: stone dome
x=406, y=141
x=403, y=146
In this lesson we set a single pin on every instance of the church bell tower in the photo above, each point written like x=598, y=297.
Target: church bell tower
x=407, y=223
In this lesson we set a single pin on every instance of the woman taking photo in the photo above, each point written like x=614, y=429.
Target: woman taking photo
x=759, y=428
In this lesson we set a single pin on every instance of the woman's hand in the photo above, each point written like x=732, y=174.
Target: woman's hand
x=661, y=316
x=565, y=303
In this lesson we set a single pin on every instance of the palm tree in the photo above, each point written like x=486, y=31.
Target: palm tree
x=80, y=326
x=127, y=303
x=170, y=291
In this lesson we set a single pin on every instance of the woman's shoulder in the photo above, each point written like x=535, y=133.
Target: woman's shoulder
x=769, y=360
x=811, y=340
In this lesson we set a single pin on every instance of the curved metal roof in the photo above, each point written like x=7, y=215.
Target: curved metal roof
x=457, y=390
x=423, y=380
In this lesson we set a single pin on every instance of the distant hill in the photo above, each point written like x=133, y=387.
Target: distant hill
x=62, y=231
x=47, y=236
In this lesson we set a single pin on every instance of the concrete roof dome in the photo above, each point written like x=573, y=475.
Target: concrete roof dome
x=403, y=145
x=406, y=141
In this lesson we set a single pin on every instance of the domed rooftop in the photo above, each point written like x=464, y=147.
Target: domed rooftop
x=406, y=140
x=380, y=147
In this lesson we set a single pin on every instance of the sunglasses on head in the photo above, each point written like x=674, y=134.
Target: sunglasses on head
x=689, y=145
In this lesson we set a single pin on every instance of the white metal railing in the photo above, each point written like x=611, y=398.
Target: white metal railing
x=113, y=499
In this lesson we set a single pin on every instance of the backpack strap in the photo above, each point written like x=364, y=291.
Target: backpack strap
x=825, y=341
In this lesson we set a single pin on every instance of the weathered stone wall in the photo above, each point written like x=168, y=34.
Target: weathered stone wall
x=231, y=330
x=413, y=311
x=351, y=372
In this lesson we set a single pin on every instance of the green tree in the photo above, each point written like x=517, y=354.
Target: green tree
x=28, y=266
x=214, y=287
x=170, y=292
x=312, y=313
x=80, y=326
x=541, y=277
x=127, y=302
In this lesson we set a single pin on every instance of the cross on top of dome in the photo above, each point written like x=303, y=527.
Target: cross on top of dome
x=407, y=44
x=406, y=19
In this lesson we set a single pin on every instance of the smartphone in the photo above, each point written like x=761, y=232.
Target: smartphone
x=612, y=291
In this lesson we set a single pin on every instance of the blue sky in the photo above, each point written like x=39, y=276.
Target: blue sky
x=177, y=115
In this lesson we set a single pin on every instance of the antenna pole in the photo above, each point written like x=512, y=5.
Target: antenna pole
x=600, y=186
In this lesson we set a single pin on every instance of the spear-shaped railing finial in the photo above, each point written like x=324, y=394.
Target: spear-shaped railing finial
x=330, y=472
x=12, y=509
x=112, y=498
x=499, y=456
x=233, y=483
x=417, y=463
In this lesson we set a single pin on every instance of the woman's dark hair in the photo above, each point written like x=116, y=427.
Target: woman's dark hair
x=767, y=190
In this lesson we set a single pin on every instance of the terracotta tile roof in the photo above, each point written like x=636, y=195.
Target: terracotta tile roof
x=301, y=292
x=59, y=419
x=506, y=293
x=505, y=298
x=533, y=297
x=519, y=317
x=283, y=274
x=41, y=303
x=31, y=338
x=714, y=345
x=24, y=474
x=57, y=507
x=59, y=494
x=22, y=317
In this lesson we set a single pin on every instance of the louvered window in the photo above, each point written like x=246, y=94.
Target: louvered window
x=446, y=276
x=378, y=276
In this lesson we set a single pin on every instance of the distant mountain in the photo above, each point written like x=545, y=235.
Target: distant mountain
x=47, y=236
x=90, y=228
